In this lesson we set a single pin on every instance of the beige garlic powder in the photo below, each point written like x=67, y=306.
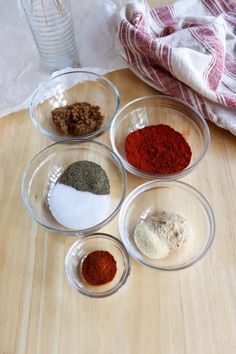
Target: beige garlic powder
x=160, y=234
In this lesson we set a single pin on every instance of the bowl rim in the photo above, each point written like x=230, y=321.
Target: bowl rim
x=157, y=183
x=200, y=122
x=74, y=232
x=56, y=137
x=97, y=235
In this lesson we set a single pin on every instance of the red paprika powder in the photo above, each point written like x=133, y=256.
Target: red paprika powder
x=99, y=268
x=157, y=149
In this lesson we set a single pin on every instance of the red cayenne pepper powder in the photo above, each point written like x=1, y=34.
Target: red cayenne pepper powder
x=99, y=268
x=157, y=149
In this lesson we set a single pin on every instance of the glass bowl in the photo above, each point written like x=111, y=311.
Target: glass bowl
x=45, y=168
x=68, y=88
x=172, y=196
x=78, y=252
x=153, y=110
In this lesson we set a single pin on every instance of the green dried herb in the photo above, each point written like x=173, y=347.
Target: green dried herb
x=86, y=176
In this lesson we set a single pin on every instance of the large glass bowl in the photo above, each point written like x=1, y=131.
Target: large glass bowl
x=173, y=196
x=68, y=88
x=45, y=168
x=153, y=110
x=96, y=242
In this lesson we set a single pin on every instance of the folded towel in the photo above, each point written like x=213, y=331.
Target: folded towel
x=186, y=50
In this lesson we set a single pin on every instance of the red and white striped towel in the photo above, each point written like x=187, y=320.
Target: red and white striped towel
x=186, y=50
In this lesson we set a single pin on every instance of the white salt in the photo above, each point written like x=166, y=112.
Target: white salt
x=78, y=210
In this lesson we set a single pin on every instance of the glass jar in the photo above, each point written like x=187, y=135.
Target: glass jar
x=52, y=28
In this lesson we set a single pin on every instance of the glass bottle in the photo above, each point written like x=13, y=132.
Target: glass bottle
x=52, y=28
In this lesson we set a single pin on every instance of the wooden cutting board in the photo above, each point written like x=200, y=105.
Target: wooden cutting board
x=190, y=311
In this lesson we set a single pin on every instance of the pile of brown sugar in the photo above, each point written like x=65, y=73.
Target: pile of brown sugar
x=77, y=119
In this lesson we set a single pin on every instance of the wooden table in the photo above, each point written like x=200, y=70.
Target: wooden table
x=189, y=311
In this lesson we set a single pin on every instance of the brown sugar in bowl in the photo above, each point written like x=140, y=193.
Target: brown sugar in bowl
x=70, y=88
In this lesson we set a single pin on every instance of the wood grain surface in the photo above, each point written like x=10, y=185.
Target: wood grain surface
x=190, y=311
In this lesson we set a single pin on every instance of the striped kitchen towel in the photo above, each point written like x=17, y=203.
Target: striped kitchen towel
x=186, y=50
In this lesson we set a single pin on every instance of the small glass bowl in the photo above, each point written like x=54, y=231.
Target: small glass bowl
x=80, y=250
x=173, y=196
x=66, y=89
x=43, y=171
x=153, y=110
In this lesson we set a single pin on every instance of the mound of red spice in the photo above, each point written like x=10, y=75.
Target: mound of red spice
x=99, y=268
x=158, y=149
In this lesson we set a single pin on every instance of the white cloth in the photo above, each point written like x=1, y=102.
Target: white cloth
x=186, y=50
